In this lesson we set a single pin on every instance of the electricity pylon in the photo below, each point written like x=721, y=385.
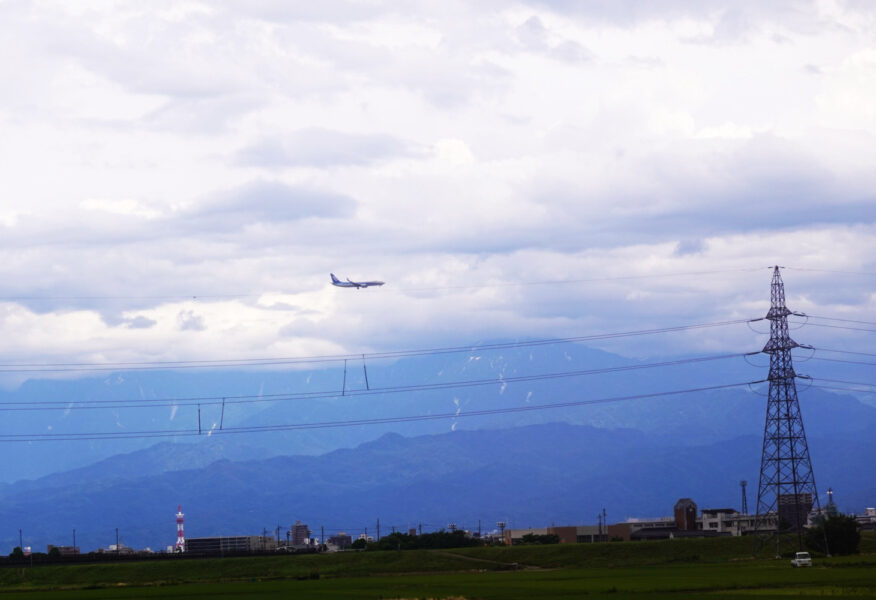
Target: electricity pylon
x=786, y=493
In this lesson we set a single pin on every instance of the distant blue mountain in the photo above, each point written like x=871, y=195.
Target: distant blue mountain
x=526, y=476
x=635, y=457
x=684, y=419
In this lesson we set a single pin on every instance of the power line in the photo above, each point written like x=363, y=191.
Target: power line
x=848, y=362
x=838, y=319
x=572, y=281
x=819, y=349
x=843, y=389
x=275, y=361
x=843, y=381
x=832, y=271
x=43, y=405
x=354, y=422
x=832, y=326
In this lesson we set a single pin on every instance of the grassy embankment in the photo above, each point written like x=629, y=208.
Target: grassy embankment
x=721, y=568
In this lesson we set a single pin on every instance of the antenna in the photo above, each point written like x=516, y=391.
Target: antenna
x=786, y=491
x=742, y=484
x=180, y=535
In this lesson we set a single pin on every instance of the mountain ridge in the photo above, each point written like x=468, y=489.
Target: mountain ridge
x=531, y=475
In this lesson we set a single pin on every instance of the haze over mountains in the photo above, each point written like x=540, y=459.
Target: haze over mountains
x=636, y=457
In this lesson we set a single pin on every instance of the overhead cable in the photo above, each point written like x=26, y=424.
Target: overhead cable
x=41, y=405
x=60, y=436
x=338, y=358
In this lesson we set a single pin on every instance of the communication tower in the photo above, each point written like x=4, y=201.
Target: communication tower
x=180, y=536
x=786, y=492
x=743, y=484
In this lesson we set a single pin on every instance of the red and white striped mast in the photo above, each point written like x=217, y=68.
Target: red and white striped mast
x=180, y=536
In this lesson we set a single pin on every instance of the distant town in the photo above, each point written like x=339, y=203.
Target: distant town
x=687, y=521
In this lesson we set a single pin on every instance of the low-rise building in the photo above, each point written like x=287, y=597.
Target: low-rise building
x=868, y=519
x=341, y=541
x=239, y=544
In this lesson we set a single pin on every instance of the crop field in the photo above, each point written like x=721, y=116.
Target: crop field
x=714, y=569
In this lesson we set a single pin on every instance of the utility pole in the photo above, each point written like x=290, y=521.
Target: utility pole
x=322, y=535
x=479, y=528
x=787, y=483
x=117, y=540
x=344, y=385
x=605, y=525
x=378, y=529
x=74, y=541
x=420, y=528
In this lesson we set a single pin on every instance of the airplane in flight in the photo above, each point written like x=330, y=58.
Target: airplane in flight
x=353, y=284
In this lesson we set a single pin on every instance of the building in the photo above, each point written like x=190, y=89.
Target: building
x=64, y=550
x=341, y=541
x=794, y=510
x=728, y=520
x=868, y=519
x=686, y=515
x=568, y=534
x=300, y=534
x=514, y=536
x=241, y=544
x=719, y=520
x=629, y=530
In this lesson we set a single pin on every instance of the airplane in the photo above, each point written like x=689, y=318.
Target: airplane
x=356, y=284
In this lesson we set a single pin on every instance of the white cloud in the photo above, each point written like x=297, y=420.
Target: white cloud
x=239, y=153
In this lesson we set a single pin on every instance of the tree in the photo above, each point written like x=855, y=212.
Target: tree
x=843, y=534
x=359, y=544
x=17, y=553
x=532, y=538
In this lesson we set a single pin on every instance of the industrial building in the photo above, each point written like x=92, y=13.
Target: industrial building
x=241, y=544
x=685, y=522
x=63, y=550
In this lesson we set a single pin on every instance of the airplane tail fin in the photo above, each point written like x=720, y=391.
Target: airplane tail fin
x=334, y=279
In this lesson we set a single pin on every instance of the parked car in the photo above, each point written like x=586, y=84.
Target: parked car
x=801, y=559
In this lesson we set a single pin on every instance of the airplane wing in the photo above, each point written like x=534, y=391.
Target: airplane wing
x=365, y=284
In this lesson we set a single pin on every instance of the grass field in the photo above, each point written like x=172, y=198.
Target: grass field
x=715, y=569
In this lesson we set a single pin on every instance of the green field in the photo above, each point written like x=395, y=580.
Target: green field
x=716, y=569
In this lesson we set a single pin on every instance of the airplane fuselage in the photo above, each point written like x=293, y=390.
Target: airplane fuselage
x=354, y=284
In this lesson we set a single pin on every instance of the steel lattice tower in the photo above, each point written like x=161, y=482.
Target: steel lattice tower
x=786, y=492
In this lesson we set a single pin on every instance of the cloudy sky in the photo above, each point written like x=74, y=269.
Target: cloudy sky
x=177, y=179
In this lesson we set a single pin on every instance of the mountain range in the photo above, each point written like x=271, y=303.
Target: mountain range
x=634, y=457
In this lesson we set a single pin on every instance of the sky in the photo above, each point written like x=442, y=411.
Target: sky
x=178, y=179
